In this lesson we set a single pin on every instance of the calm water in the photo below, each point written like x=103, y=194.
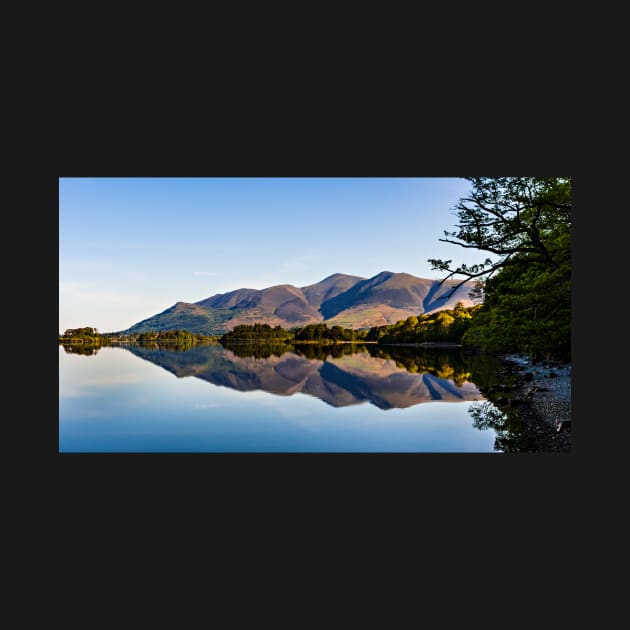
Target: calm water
x=213, y=399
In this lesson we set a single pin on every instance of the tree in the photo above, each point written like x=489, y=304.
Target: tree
x=336, y=333
x=510, y=218
x=525, y=222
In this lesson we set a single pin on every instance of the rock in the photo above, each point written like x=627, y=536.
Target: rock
x=563, y=425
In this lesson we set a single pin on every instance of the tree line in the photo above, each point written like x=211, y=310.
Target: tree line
x=448, y=325
x=255, y=333
x=171, y=336
x=88, y=337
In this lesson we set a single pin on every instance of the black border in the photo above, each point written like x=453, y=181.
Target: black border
x=421, y=146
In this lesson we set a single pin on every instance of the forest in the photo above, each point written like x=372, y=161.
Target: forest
x=444, y=326
x=88, y=340
x=318, y=333
x=524, y=224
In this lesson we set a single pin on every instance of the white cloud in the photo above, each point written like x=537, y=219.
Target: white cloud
x=207, y=273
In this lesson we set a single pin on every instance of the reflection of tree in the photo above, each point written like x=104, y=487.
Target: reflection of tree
x=512, y=432
x=448, y=364
x=318, y=352
x=258, y=350
x=87, y=349
x=176, y=346
x=322, y=352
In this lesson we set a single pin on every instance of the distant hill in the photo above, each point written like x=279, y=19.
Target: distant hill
x=348, y=301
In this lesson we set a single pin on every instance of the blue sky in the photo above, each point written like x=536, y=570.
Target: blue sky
x=131, y=247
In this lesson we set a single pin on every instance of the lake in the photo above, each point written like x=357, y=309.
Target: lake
x=257, y=399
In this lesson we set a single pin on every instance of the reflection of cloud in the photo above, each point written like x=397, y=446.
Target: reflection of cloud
x=89, y=388
x=76, y=391
x=116, y=379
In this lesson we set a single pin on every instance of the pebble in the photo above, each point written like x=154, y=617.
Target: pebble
x=546, y=409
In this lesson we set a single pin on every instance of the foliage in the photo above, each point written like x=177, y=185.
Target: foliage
x=443, y=326
x=264, y=333
x=88, y=340
x=197, y=321
x=179, y=339
x=321, y=332
x=525, y=222
x=83, y=336
x=246, y=333
x=527, y=309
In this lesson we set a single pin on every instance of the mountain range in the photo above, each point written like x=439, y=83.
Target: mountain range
x=339, y=299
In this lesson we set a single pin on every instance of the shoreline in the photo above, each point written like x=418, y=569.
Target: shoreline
x=543, y=392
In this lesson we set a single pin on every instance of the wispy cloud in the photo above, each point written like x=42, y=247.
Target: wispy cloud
x=305, y=262
x=119, y=299
x=159, y=245
x=85, y=293
x=85, y=263
x=207, y=273
x=75, y=286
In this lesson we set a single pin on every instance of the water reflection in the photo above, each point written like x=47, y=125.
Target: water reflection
x=345, y=375
x=339, y=375
x=85, y=349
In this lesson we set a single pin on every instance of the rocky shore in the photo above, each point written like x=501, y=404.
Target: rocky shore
x=542, y=392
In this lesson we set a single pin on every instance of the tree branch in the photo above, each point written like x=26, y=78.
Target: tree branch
x=513, y=250
x=470, y=276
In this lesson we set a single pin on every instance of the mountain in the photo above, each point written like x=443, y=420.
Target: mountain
x=339, y=299
x=329, y=288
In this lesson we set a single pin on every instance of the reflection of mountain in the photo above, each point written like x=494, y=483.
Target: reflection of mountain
x=345, y=380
